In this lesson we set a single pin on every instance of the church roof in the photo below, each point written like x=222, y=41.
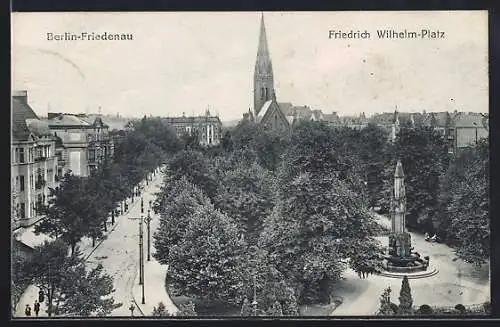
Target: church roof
x=264, y=109
x=286, y=107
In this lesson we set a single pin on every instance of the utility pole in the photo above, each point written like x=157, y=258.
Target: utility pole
x=148, y=221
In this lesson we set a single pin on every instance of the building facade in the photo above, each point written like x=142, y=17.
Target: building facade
x=208, y=128
x=82, y=144
x=34, y=164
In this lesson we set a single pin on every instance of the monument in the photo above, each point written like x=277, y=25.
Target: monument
x=400, y=257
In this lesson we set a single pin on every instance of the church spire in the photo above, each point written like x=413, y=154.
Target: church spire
x=263, y=50
x=263, y=74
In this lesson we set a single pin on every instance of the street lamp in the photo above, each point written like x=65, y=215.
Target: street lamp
x=141, y=259
x=254, y=303
x=148, y=220
x=475, y=125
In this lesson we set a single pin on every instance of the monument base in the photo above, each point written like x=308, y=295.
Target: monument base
x=430, y=271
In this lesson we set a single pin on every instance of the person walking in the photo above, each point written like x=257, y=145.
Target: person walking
x=36, y=307
x=27, y=311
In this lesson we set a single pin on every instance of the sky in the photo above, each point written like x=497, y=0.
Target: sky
x=187, y=62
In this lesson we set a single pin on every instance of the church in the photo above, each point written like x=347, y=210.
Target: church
x=266, y=109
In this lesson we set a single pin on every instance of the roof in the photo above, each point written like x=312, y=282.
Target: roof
x=285, y=107
x=29, y=238
x=67, y=120
x=21, y=111
x=264, y=108
x=38, y=127
x=333, y=117
x=190, y=120
x=471, y=120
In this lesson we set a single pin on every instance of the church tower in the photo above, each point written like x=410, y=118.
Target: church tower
x=263, y=79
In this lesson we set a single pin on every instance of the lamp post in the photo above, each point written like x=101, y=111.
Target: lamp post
x=254, y=303
x=141, y=251
x=475, y=125
x=148, y=221
x=141, y=259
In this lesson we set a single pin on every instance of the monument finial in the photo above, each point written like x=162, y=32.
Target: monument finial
x=399, y=170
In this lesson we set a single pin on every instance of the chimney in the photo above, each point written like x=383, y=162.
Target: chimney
x=21, y=95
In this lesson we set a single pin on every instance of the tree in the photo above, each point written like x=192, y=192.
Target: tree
x=385, y=303
x=425, y=310
x=208, y=261
x=87, y=293
x=227, y=142
x=68, y=211
x=245, y=194
x=465, y=204
x=275, y=310
x=317, y=224
x=68, y=287
x=405, y=299
x=179, y=201
x=160, y=311
x=424, y=155
x=194, y=166
x=187, y=310
x=267, y=143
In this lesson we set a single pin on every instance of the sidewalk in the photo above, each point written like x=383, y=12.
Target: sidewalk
x=154, y=272
x=85, y=246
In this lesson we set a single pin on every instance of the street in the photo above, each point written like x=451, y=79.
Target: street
x=119, y=253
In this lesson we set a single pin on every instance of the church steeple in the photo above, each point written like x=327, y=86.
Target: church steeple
x=263, y=75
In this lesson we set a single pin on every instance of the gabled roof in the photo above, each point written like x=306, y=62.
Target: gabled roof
x=264, y=109
x=267, y=111
x=21, y=111
x=333, y=117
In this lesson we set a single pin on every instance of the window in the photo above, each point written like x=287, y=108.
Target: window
x=22, y=210
x=31, y=182
x=262, y=93
x=21, y=183
x=21, y=155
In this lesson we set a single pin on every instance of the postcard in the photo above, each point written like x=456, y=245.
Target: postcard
x=250, y=164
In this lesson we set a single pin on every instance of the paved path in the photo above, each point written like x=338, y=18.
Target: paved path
x=118, y=253
x=154, y=272
x=456, y=282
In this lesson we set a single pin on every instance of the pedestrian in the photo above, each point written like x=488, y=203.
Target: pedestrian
x=41, y=296
x=131, y=309
x=27, y=311
x=36, y=307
